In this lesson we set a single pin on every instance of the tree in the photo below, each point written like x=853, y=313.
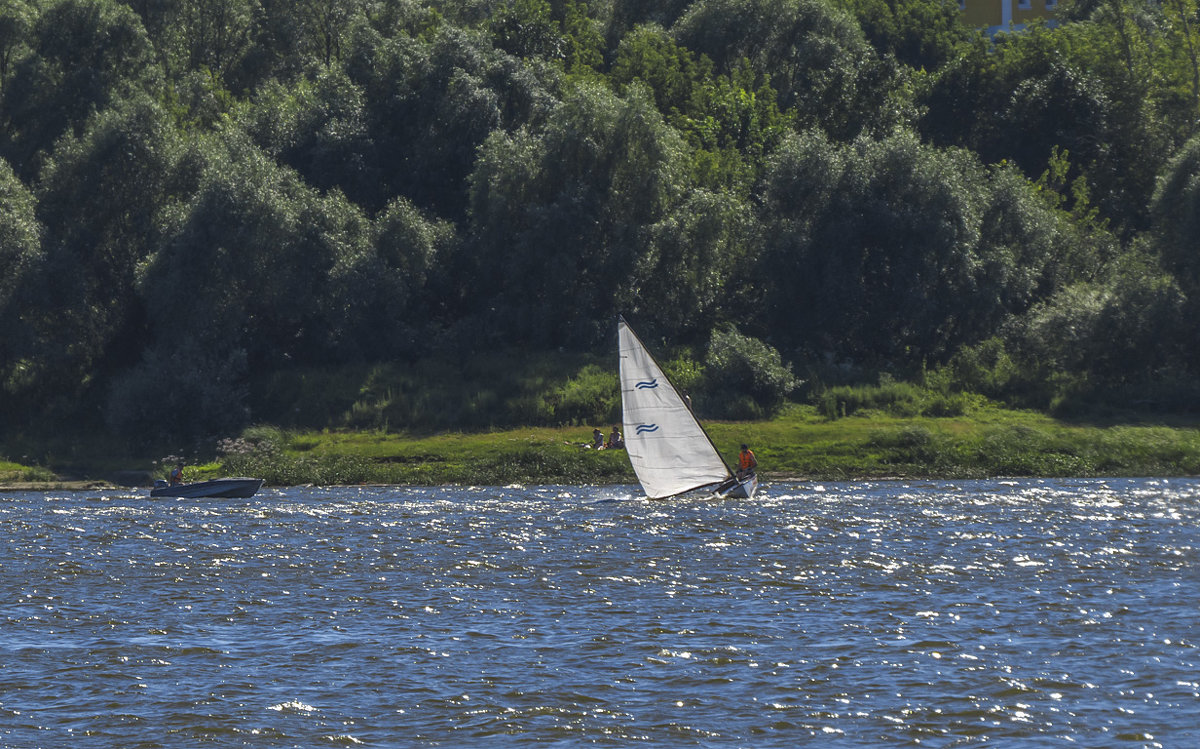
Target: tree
x=249, y=276
x=100, y=197
x=20, y=238
x=431, y=104
x=675, y=75
x=216, y=34
x=320, y=129
x=920, y=34
x=525, y=28
x=393, y=294
x=246, y=264
x=1071, y=88
x=691, y=267
x=85, y=54
x=1182, y=19
x=732, y=120
x=629, y=14
x=560, y=219
x=16, y=18
x=816, y=55
x=1060, y=108
x=295, y=40
x=325, y=23
x=20, y=259
x=876, y=252
x=584, y=40
x=180, y=395
x=1029, y=248
x=1175, y=207
x=1149, y=118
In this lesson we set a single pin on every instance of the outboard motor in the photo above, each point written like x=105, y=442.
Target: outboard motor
x=160, y=483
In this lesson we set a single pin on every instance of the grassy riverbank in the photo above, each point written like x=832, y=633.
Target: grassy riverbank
x=801, y=443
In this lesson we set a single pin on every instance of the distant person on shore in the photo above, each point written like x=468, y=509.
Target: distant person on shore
x=597, y=439
x=615, y=442
x=746, y=463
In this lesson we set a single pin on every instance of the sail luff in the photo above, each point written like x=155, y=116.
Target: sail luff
x=668, y=448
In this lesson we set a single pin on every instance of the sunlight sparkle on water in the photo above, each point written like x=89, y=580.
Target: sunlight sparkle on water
x=924, y=613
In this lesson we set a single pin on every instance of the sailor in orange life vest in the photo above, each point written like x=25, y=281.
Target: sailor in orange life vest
x=746, y=463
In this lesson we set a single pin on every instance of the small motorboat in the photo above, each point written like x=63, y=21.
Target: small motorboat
x=230, y=487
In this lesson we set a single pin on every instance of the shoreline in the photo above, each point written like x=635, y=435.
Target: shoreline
x=99, y=485
x=52, y=486
x=798, y=446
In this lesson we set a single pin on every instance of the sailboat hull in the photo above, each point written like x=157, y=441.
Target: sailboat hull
x=743, y=489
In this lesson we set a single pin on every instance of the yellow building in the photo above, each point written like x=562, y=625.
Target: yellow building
x=1004, y=15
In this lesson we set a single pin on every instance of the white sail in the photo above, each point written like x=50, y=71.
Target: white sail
x=668, y=448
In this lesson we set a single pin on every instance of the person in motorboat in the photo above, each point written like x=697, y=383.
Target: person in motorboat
x=746, y=463
x=176, y=476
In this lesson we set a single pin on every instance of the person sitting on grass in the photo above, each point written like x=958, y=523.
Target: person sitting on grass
x=615, y=442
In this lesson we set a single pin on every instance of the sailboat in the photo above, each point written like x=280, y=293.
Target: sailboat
x=669, y=449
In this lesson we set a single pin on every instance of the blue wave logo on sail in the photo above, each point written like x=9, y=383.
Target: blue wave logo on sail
x=647, y=384
x=646, y=428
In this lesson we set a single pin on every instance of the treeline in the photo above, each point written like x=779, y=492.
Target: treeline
x=197, y=195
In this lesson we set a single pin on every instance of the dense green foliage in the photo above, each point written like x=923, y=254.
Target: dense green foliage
x=208, y=206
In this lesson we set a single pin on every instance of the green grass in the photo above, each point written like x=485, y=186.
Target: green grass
x=800, y=444
x=877, y=441
x=15, y=473
x=378, y=457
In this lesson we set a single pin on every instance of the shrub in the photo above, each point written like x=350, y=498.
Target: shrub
x=984, y=368
x=685, y=372
x=910, y=444
x=897, y=398
x=744, y=377
x=590, y=397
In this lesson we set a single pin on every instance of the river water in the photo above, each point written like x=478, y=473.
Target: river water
x=1003, y=613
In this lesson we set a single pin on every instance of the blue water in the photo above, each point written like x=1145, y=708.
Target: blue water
x=1016, y=613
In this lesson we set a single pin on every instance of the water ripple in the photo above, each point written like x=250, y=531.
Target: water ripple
x=1018, y=613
